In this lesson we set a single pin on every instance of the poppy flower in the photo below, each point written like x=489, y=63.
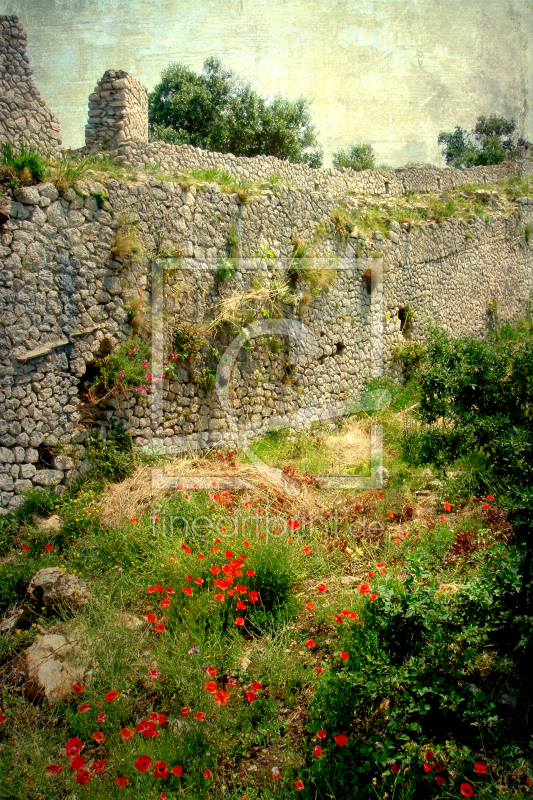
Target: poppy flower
x=83, y=777
x=73, y=747
x=232, y=683
x=395, y=768
x=319, y=670
x=310, y=642
x=187, y=590
x=215, y=570
x=251, y=696
x=185, y=548
x=170, y=590
x=298, y=786
x=480, y=768
x=364, y=588
x=77, y=762
x=344, y=656
x=2, y=719
x=143, y=763
x=150, y=618
x=391, y=514
x=373, y=596
x=439, y=780
x=466, y=790
x=200, y=716
x=111, y=696
x=153, y=673
x=98, y=737
x=48, y=548
x=256, y=686
x=83, y=708
x=447, y=507
x=254, y=596
x=490, y=497
x=101, y=717
x=177, y=770
x=160, y=769
x=322, y=588
x=239, y=621
x=77, y=688
x=338, y=619
x=207, y=774
x=221, y=697
x=24, y=548
x=165, y=602
x=133, y=519
x=210, y=686
x=185, y=710
x=310, y=605
x=240, y=606
x=98, y=766
x=211, y=671
x=122, y=782
x=246, y=544
x=341, y=739
x=428, y=768
x=127, y=733
x=199, y=581
x=220, y=598
x=317, y=751
x=189, y=577
x=201, y=556
x=429, y=755
x=443, y=518
x=54, y=769
x=321, y=735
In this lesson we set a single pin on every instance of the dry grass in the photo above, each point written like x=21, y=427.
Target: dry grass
x=265, y=298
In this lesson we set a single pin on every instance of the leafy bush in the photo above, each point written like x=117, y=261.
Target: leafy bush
x=112, y=458
x=124, y=370
x=358, y=157
x=493, y=143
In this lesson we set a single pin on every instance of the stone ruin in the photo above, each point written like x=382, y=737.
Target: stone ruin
x=118, y=112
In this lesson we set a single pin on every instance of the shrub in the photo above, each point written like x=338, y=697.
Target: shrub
x=112, y=458
x=124, y=370
x=493, y=143
x=23, y=166
x=358, y=157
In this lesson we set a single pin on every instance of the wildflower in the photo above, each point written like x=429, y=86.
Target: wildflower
x=177, y=770
x=251, y=696
x=200, y=716
x=171, y=591
x=99, y=766
x=219, y=597
x=344, y=656
x=77, y=762
x=447, y=507
x=310, y=605
x=364, y=588
x=83, y=708
x=2, y=719
x=48, y=548
x=338, y=619
x=73, y=747
x=185, y=710
x=250, y=573
x=372, y=596
x=298, y=786
x=151, y=589
x=480, y=768
x=160, y=769
x=111, y=696
x=239, y=621
x=193, y=650
x=310, y=643
x=317, y=751
x=490, y=497
x=321, y=735
x=83, y=777
x=246, y=544
x=201, y=556
x=439, y=780
x=443, y=518
x=428, y=768
x=466, y=790
x=78, y=688
x=254, y=596
x=429, y=755
x=122, y=782
x=221, y=697
x=24, y=548
x=54, y=769
x=391, y=514
x=133, y=519
x=143, y=763
x=319, y=670
x=395, y=768
x=147, y=728
x=165, y=602
x=210, y=686
x=341, y=739
x=153, y=673
x=256, y=686
x=322, y=588
x=232, y=683
x=240, y=606
x=199, y=581
x=187, y=590
x=207, y=773
x=98, y=737
x=185, y=548
x=101, y=717
x=127, y=733
x=215, y=570
x=150, y=617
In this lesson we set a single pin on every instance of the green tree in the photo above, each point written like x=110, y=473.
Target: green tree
x=217, y=111
x=490, y=142
x=359, y=156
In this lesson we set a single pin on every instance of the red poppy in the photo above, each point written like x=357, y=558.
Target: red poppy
x=2, y=719
x=210, y=686
x=176, y=770
x=317, y=751
x=310, y=643
x=215, y=570
x=24, y=548
x=344, y=656
x=127, y=733
x=319, y=670
x=185, y=548
x=160, y=769
x=221, y=697
x=310, y=605
x=240, y=606
x=229, y=554
x=151, y=589
x=189, y=577
x=199, y=581
x=480, y=768
x=111, y=696
x=77, y=762
x=428, y=768
x=364, y=588
x=147, y=728
x=101, y=717
x=99, y=766
x=250, y=573
x=321, y=735
x=133, y=519
x=246, y=544
x=372, y=596
x=207, y=774
x=200, y=716
x=391, y=514
x=143, y=763
x=48, y=548
x=187, y=590
x=256, y=686
x=165, y=602
x=54, y=769
x=341, y=739
x=322, y=588
x=185, y=710
x=395, y=768
x=429, y=755
x=298, y=786
x=466, y=790
x=83, y=777
x=254, y=597
x=220, y=597
x=83, y=708
x=122, y=782
x=170, y=590
x=239, y=620
x=251, y=696
x=447, y=507
x=98, y=737
x=78, y=688
x=150, y=618
x=201, y=556
x=153, y=673
x=439, y=780
x=73, y=747
x=490, y=497
x=443, y=518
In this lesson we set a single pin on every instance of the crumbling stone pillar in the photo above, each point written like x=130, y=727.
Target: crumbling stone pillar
x=118, y=112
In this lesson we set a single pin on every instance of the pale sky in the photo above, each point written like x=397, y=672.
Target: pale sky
x=390, y=72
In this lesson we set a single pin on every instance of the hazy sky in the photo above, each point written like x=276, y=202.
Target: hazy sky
x=391, y=72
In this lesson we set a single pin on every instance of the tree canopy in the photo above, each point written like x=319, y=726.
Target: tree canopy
x=359, y=156
x=217, y=111
x=490, y=142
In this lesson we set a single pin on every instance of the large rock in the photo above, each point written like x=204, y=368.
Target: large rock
x=52, y=586
x=53, y=523
x=52, y=665
x=48, y=477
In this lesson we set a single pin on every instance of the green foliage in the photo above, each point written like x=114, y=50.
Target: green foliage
x=112, y=458
x=124, y=370
x=225, y=270
x=492, y=143
x=216, y=111
x=411, y=355
x=187, y=342
x=24, y=165
x=358, y=157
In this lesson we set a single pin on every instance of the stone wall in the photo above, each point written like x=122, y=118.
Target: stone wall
x=118, y=112
x=24, y=116
x=69, y=293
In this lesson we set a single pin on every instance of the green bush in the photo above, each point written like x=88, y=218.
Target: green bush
x=124, y=370
x=23, y=166
x=358, y=157
x=112, y=458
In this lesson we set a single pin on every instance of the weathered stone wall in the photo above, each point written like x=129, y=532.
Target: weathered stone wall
x=118, y=112
x=24, y=116
x=67, y=292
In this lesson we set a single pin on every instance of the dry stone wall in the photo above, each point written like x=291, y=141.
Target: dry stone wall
x=118, y=112
x=24, y=116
